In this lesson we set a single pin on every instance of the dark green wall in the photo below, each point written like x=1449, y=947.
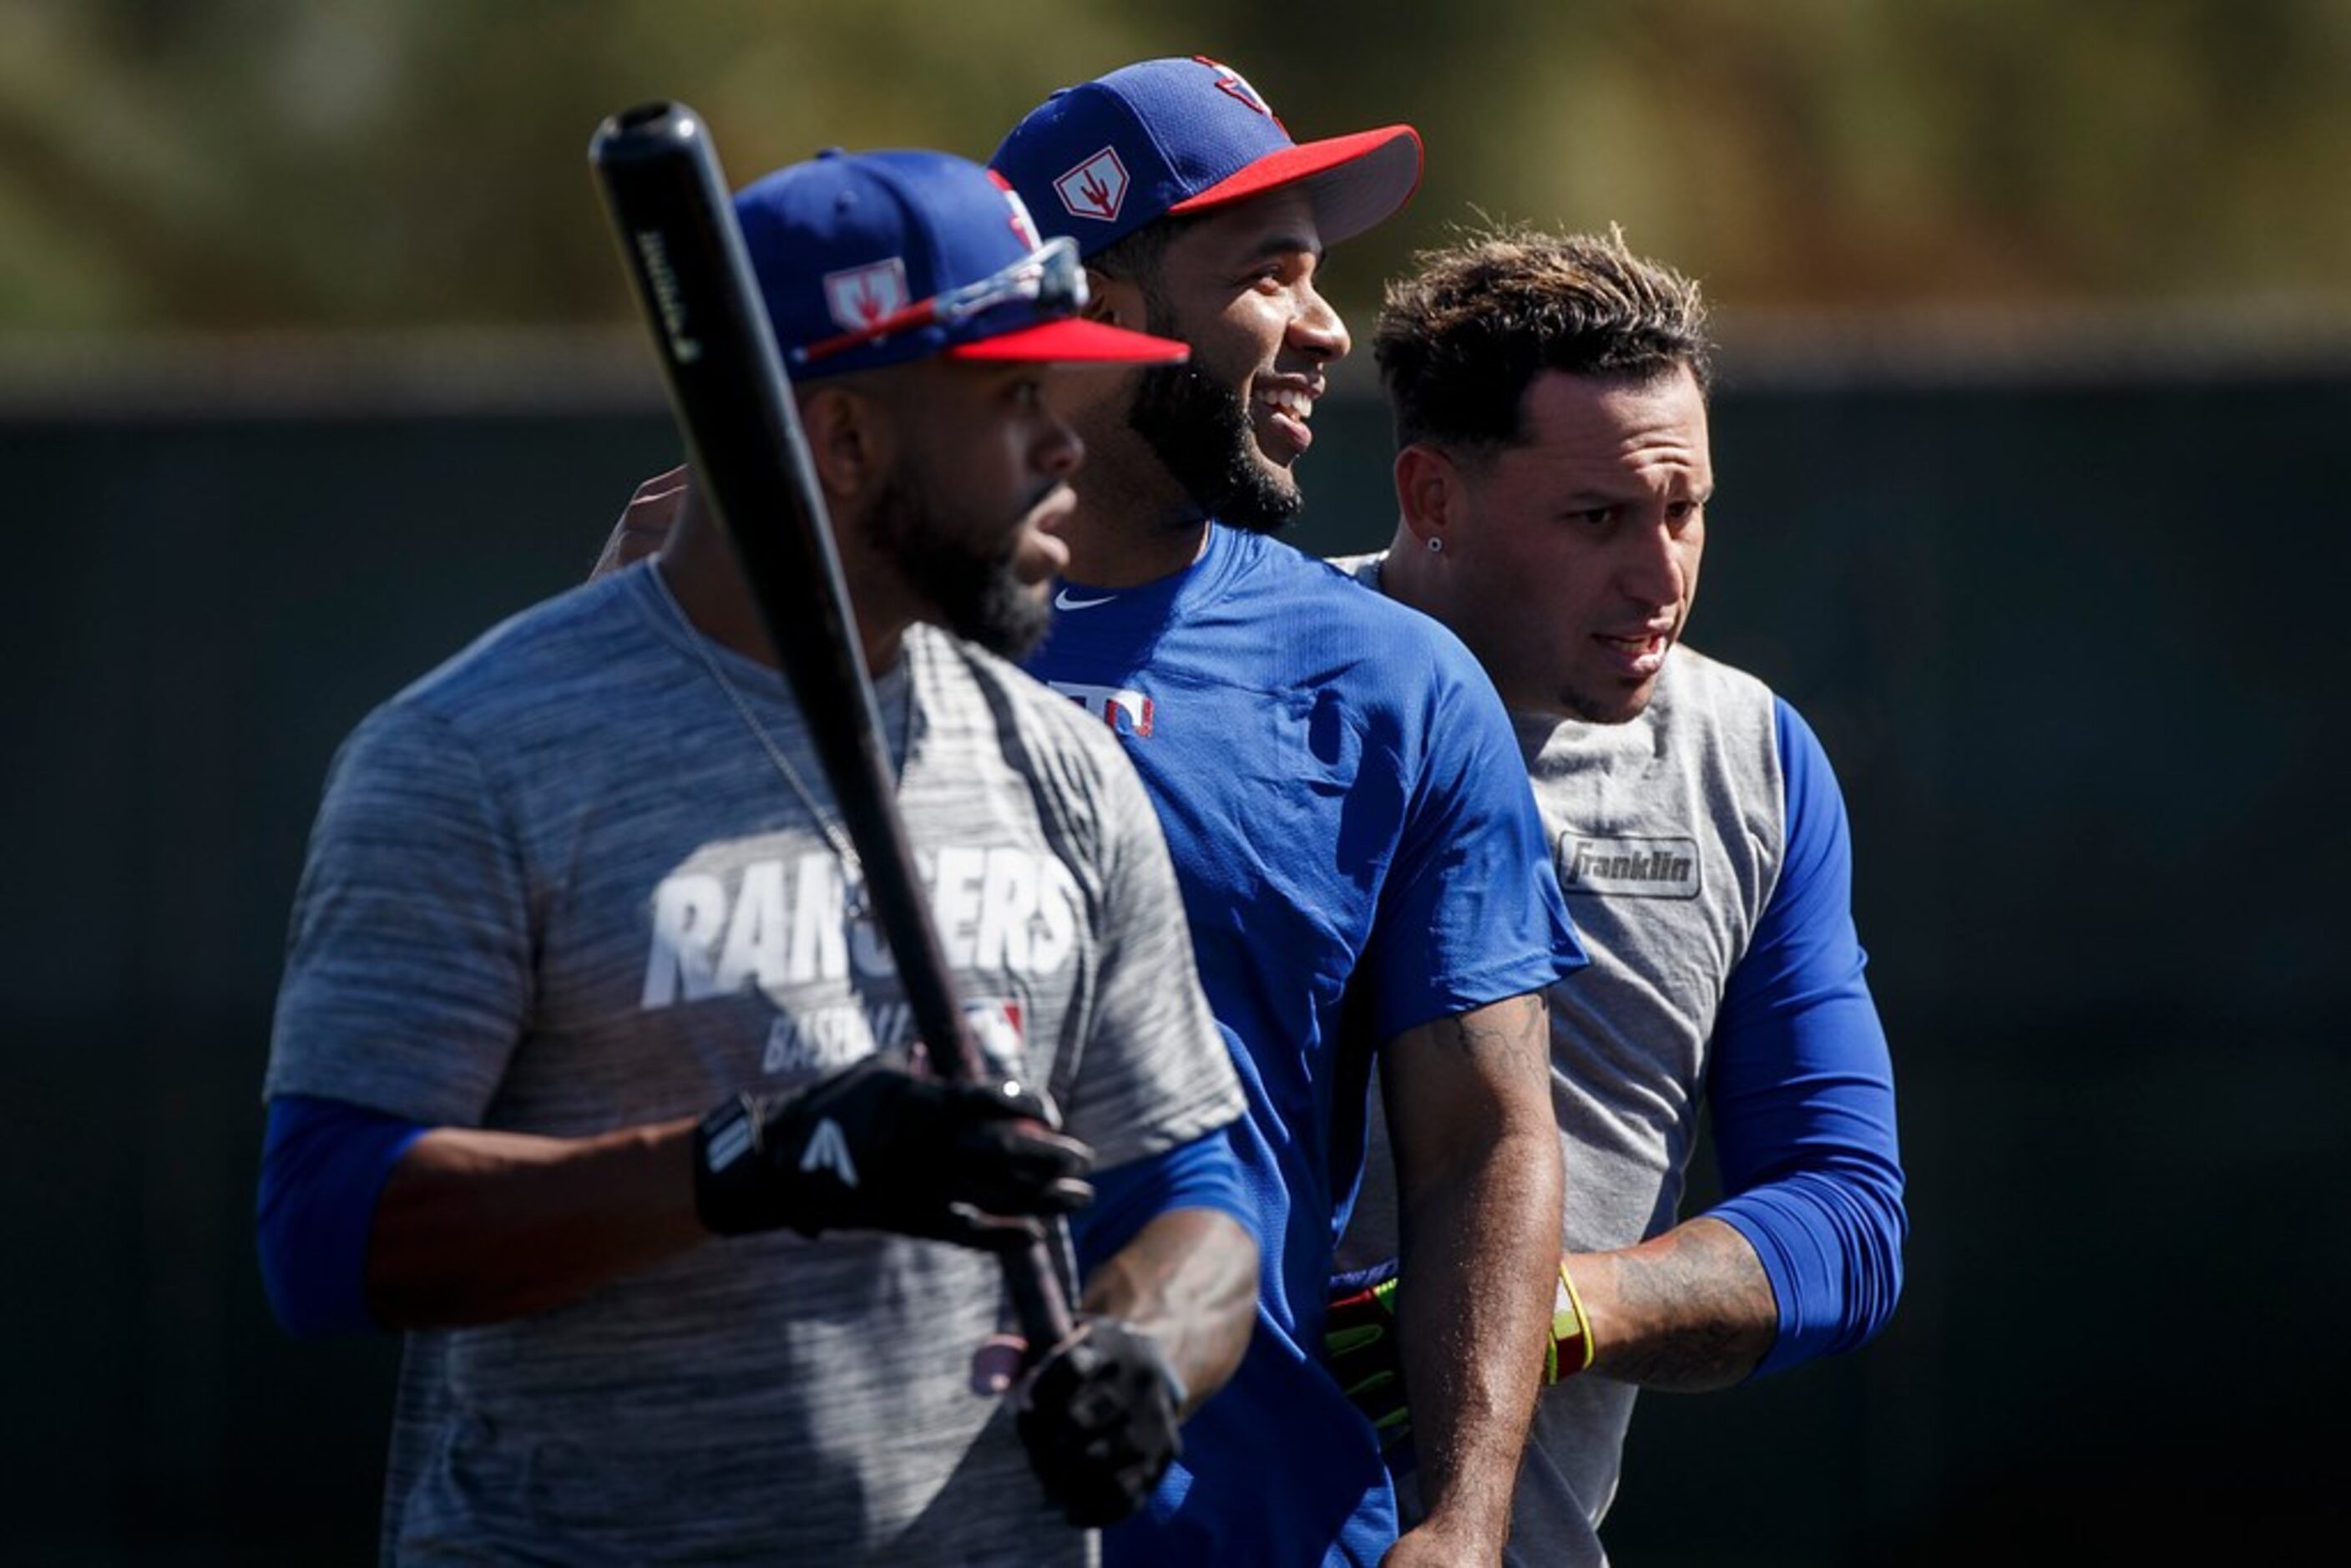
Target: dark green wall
x=2070, y=646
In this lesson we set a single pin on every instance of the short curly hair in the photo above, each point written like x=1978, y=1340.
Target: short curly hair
x=1464, y=334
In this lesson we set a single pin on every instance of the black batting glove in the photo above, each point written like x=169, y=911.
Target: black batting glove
x=872, y=1148
x=1099, y=1416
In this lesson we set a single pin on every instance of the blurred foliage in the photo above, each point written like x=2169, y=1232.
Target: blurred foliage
x=338, y=164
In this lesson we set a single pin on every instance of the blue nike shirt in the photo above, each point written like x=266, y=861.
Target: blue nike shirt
x=1339, y=787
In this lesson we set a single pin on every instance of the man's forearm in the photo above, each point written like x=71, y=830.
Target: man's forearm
x=1689, y=1311
x=1480, y=1190
x=477, y=1227
x=1188, y=1279
x=1472, y=1320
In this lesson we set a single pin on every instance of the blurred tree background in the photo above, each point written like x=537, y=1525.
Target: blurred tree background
x=339, y=164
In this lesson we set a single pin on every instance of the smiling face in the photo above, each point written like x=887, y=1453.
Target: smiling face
x=1570, y=556
x=1238, y=284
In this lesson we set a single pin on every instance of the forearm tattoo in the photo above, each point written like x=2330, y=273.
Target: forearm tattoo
x=1690, y=1310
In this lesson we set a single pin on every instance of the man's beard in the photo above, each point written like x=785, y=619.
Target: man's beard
x=976, y=594
x=1200, y=431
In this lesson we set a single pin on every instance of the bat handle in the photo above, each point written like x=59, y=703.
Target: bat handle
x=1037, y=1304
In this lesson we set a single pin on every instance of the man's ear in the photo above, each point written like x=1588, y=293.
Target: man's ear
x=1114, y=301
x=1430, y=492
x=848, y=437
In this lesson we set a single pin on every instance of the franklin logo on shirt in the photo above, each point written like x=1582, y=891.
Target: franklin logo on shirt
x=1628, y=868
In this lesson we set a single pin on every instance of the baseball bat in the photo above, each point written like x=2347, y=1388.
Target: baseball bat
x=670, y=209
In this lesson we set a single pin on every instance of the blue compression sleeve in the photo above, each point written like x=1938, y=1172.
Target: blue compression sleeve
x=1803, y=1090
x=323, y=1166
x=1202, y=1174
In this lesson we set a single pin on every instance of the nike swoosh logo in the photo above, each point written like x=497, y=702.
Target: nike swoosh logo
x=1062, y=601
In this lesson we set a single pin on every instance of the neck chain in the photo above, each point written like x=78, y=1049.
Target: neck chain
x=827, y=824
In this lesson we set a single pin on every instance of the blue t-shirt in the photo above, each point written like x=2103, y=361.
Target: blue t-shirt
x=1339, y=787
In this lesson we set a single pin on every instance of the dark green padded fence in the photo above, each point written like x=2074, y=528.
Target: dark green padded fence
x=2074, y=648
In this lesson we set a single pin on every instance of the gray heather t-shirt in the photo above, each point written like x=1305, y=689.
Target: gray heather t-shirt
x=1670, y=835
x=557, y=886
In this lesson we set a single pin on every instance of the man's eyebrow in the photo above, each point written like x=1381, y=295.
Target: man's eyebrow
x=1285, y=242
x=1587, y=498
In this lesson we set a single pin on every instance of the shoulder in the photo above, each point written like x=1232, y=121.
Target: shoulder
x=1696, y=685
x=1402, y=678
x=985, y=688
x=539, y=665
x=1339, y=624
x=1346, y=585
x=1749, y=718
x=449, y=741
x=1813, y=800
x=1265, y=567
x=1735, y=713
x=548, y=695
x=1759, y=740
x=1364, y=568
x=1042, y=733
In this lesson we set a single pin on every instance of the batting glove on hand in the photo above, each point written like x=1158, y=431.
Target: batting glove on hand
x=872, y=1148
x=1098, y=1418
x=1358, y=1346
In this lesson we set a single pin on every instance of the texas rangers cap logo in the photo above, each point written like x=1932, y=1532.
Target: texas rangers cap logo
x=1023, y=226
x=1095, y=188
x=860, y=296
x=1233, y=84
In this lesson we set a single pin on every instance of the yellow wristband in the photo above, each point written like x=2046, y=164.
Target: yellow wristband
x=1570, y=1349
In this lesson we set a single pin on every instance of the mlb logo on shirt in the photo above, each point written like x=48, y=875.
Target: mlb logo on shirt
x=1095, y=188
x=995, y=1026
x=861, y=296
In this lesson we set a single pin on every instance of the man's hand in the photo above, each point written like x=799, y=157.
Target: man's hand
x=1359, y=1347
x=872, y=1148
x=645, y=523
x=1099, y=1418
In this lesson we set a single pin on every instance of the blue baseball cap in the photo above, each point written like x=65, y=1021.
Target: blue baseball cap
x=869, y=259
x=1099, y=160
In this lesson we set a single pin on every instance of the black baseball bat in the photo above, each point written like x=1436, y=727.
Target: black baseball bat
x=670, y=209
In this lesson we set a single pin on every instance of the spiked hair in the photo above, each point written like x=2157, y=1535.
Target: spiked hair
x=1463, y=334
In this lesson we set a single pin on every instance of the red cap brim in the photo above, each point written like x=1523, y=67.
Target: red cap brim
x=1358, y=181
x=1074, y=341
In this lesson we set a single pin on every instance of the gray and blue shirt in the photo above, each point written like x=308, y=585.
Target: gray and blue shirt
x=557, y=887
